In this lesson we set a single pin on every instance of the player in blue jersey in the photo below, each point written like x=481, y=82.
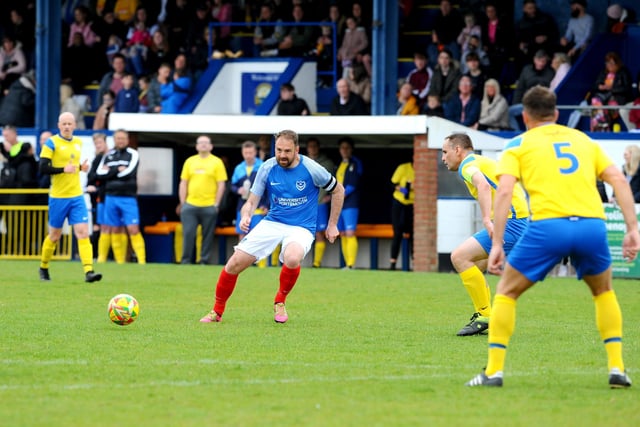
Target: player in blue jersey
x=349, y=173
x=558, y=167
x=470, y=257
x=292, y=182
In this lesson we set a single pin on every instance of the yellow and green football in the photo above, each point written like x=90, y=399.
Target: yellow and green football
x=123, y=309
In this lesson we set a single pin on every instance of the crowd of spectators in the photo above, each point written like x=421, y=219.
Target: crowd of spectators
x=162, y=47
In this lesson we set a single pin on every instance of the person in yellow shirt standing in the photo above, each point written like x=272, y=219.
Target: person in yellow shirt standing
x=202, y=185
x=60, y=158
x=402, y=208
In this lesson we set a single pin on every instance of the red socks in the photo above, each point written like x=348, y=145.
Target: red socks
x=288, y=278
x=224, y=289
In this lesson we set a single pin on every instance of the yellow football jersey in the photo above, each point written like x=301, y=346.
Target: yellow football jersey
x=558, y=167
x=474, y=163
x=61, y=152
x=203, y=175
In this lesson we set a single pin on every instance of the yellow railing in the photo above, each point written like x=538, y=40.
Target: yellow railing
x=23, y=227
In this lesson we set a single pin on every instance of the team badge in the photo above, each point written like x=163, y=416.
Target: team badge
x=301, y=185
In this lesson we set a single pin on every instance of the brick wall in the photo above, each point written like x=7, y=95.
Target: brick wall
x=425, y=238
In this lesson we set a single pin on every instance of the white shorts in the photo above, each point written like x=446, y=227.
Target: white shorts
x=263, y=239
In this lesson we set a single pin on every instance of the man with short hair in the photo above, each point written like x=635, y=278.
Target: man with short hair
x=293, y=182
x=290, y=104
x=557, y=166
x=579, y=30
x=470, y=257
x=347, y=103
x=60, y=158
x=202, y=185
x=537, y=73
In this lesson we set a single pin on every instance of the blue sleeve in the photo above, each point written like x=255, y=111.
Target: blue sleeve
x=259, y=185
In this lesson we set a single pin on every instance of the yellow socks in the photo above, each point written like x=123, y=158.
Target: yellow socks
x=503, y=322
x=48, y=248
x=275, y=256
x=476, y=285
x=104, y=246
x=609, y=322
x=137, y=242
x=86, y=254
x=119, y=247
x=349, y=245
x=318, y=253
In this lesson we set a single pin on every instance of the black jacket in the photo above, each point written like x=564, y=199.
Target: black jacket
x=120, y=182
x=355, y=106
x=294, y=107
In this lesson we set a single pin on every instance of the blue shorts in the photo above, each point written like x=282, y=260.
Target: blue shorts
x=73, y=208
x=348, y=220
x=546, y=242
x=100, y=213
x=512, y=232
x=323, y=217
x=255, y=219
x=121, y=210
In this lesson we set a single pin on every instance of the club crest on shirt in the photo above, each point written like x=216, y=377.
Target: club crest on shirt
x=301, y=185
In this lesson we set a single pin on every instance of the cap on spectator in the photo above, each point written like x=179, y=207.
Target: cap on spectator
x=614, y=11
x=582, y=3
x=541, y=54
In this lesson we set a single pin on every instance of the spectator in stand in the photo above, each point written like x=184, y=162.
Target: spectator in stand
x=474, y=47
x=347, y=103
x=20, y=169
x=539, y=73
x=127, y=99
x=162, y=77
x=471, y=28
x=447, y=26
x=336, y=17
x=139, y=41
x=618, y=17
x=354, y=41
x=324, y=54
x=314, y=153
x=12, y=62
x=82, y=24
x=290, y=104
x=176, y=91
x=579, y=30
x=407, y=102
x=476, y=74
x=178, y=19
x=105, y=28
x=535, y=31
x=101, y=120
x=158, y=52
x=497, y=33
x=144, y=83
x=78, y=53
x=112, y=80
x=221, y=11
x=266, y=38
x=613, y=86
x=68, y=103
x=349, y=174
x=464, y=108
x=363, y=19
x=561, y=66
x=360, y=84
x=23, y=29
x=420, y=77
x=433, y=107
x=298, y=39
x=445, y=77
x=631, y=169
x=200, y=21
x=125, y=10
x=18, y=105
x=634, y=115
x=494, y=108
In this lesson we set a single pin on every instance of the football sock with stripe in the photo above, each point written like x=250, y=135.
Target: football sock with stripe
x=609, y=322
x=503, y=322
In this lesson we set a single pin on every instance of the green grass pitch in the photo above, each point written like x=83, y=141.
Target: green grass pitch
x=361, y=348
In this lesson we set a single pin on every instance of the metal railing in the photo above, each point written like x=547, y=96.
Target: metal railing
x=23, y=227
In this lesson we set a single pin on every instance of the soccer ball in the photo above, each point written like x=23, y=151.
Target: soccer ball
x=123, y=309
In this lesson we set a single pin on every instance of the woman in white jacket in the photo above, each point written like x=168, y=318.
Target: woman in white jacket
x=494, y=108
